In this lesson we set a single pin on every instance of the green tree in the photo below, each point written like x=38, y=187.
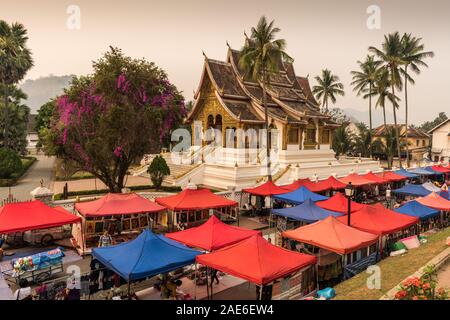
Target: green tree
x=428, y=125
x=342, y=140
x=387, y=145
x=414, y=56
x=158, y=169
x=9, y=163
x=364, y=80
x=260, y=58
x=110, y=119
x=43, y=120
x=327, y=88
x=392, y=56
x=363, y=141
x=15, y=61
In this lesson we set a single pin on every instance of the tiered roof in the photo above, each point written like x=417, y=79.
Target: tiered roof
x=289, y=97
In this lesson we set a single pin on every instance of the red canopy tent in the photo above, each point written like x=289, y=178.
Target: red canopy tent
x=441, y=169
x=256, y=260
x=333, y=235
x=339, y=203
x=391, y=176
x=374, y=178
x=118, y=204
x=267, y=189
x=435, y=201
x=34, y=215
x=332, y=184
x=212, y=235
x=195, y=199
x=356, y=180
x=298, y=184
x=379, y=220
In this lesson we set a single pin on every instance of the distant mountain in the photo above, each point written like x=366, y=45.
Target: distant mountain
x=377, y=116
x=41, y=90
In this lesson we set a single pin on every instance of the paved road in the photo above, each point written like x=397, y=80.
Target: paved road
x=43, y=168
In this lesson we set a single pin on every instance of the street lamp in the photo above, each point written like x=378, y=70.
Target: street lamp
x=349, y=192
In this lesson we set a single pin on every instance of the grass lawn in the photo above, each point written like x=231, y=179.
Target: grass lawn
x=393, y=270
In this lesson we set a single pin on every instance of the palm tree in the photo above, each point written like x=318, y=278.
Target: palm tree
x=15, y=60
x=387, y=145
x=327, y=88
x=364, y=80
x=260, y=57
x=342, y=140
x=391, y=55
x=414, y=55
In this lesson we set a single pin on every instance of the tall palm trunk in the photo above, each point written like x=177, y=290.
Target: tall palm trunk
x=370, y=117
x=406, y=115
x=266, y=123
x=384, y=116
x=6, y=121
x=397, y=137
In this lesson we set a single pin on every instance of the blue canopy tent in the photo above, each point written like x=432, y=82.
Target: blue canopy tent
x=415, y=209
x=299, y=196
x=445, y=194
x=307, y=212
x=436, y=173
x=147, y=255
x=421, y=172
x=407, y=174
x=416, y=190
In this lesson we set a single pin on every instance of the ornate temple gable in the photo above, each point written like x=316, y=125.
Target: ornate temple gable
x=306, y=88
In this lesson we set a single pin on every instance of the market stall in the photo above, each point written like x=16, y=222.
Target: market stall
x=339, y=203
x=263, y=264
x=339, y=248
x=375, y=178
x=414, y=190
x=421, y=172
x=307, y=212
x=332, y=184
x=407, y=174
x=389, y=225
x=356, y=180
x=212, y=235
x=431, y=187
x=123, y=215
x=299, y=196
x=435, y=201
x=428, y=216
x=391, y=176
x=192, y=207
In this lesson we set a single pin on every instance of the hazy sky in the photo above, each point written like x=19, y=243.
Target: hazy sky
x=320, y=34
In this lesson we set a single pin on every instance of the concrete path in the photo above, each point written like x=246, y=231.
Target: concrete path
x=43, y=168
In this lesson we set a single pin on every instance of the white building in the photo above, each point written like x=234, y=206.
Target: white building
x=441, y=142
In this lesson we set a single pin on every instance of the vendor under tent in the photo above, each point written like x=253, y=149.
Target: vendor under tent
x=435, y=201
x=356, y=180
x=212, y=235
x=123, y=215
x=299, y=196
x=391, y=176
x=146, y=256
x=194, y=206
x=307, y=212
x=415, y=209
x=33, y=215
x=431, y=187
x=415, y=190
x=407, y=174
x=339, y=203
x=375, y=179
x=267, y=189
x=260, y=262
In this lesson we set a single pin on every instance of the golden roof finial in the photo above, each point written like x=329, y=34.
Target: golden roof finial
x=203, y=52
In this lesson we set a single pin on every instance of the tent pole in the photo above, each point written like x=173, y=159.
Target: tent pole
x=260, y=292
x=207, y=283
x=129, y=290
x=195, y=282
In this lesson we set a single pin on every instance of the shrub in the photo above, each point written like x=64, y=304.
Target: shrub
x=158, y=169
x=9, y=163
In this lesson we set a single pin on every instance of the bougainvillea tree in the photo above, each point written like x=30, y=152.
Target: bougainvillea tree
x=106, y=121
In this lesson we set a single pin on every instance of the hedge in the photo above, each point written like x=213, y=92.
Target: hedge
x=16, y=176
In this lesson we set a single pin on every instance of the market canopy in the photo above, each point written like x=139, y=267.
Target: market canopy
x=299, y=196
x=267, y=189
x=445, y=194
x=374, y=178
x=356, y=180
x=391, y=176
x=407, y=174
x=441, y=169
x=379, y=220
x=298, y=184
x=330, y=184
x=147, y=255
x=307, y=212
x=195, y=199
x=416, y=190
x=117, y=204
x=431, y=170
x=333, y=235
x=435, y=201
x=421, y=172
x=212, y=235
x=32, y=215
x=256, y=260
x=339, y=203
x=431, y=187
x=415, y=209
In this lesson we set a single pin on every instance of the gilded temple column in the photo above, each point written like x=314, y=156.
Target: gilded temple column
x=316, y=122
x=285, y=136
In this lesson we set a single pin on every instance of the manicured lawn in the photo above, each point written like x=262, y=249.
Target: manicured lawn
x=393, y=270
